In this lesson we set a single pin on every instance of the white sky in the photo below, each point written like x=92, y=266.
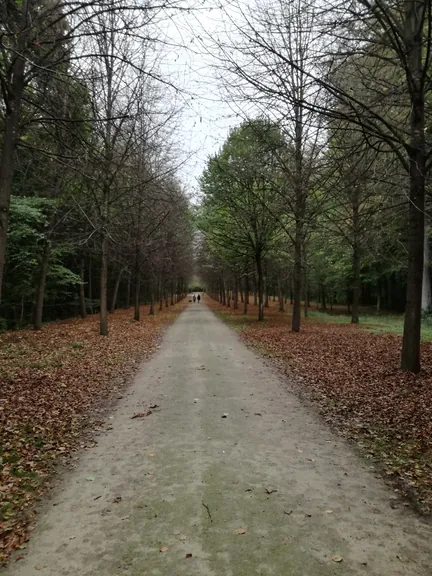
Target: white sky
x=205, y=120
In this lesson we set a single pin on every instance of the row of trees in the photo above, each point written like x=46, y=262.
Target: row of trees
x=91, y=211
x=326, y=188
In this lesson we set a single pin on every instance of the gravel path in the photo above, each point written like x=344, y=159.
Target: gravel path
x=184, y=479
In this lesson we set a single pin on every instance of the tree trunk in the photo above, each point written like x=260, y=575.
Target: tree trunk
x=161, y=296
x=90, y=285
x=426, y=290
x=255, y=291
x=410, y=357
x=82, y=302
x=103, y=311
x=281, y=298
x=21, y=320
x=128, y=291
x=172, y=293
x=297, y=279
x=260, y=287
x=40, y=294
x=356, y=287
x=235, y=305
x=10, y=136
x=305, y=282
x=246, y=298
x=116, y=289
x=152, y=298
x=323, y=297
x=137, y=314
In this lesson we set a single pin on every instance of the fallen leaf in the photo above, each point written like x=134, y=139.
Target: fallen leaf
x=257, y=414
x=152, y=454
x=224, y=415
x=153, y=407
x=188, y=555
x=163, y=549
x=117, y=500
x=329, y=511
x=288, y=512
x=270, y=490
x=141, y=414
x=90, y=478
x=337, y=558
x=240, y=531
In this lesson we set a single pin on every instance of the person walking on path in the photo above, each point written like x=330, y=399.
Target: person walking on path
x=198, y=298
x=194, y=298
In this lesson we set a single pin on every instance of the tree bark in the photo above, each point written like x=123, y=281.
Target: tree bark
x=295, y=326
x=103, y=323
x=128, y=291
x=323, y=297
x=82, y=302
x=410, y=357
x=116, y=289
x=152, y=298
x=281, y=298
x=246, y=297
x=40, y=294
x=260, y=287
x=90, y=285
x=426, y=290
x=137, y=314
x=161, y=296
x=356, y=287
x=266, y=295
x=235, y=303
x=10, y=137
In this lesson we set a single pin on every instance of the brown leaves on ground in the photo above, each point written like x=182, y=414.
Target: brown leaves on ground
x=354, y=377
x=52, y=384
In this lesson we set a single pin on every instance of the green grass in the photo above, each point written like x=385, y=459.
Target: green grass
x=377, y=324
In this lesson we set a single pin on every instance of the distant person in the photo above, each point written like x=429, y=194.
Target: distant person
x=194, y=298
x=198, y=298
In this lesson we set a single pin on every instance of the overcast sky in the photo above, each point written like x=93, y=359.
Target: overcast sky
x=205, y=120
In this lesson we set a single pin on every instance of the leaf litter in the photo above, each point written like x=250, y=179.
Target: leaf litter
x=52, y=394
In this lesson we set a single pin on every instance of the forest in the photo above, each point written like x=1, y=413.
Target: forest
x=92, y=213
x=323, y=191
x=309, y=216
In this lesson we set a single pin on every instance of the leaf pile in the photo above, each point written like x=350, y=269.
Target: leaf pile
x=53, y=386
x=354, y=378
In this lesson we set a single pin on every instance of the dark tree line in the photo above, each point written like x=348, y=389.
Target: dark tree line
x=92, y=215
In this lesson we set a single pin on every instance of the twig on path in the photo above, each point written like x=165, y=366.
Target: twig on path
x=208, y=511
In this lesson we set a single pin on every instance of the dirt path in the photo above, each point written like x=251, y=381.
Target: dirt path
x=186, y=479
